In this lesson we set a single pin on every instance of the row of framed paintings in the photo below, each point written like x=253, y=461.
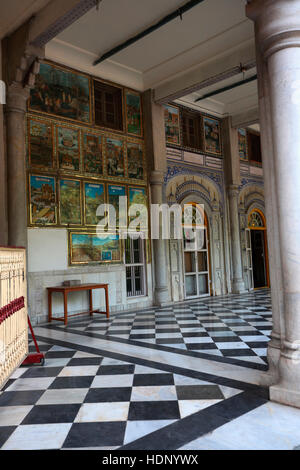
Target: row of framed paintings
x=88, y=248
x=78, y=150
x=72, y=202
x=65, y=93
x=212, y=140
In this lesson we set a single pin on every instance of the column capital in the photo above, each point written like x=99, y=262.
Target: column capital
x=157, y=177
x=17, y=97
x=233, y=190
x=277, y=24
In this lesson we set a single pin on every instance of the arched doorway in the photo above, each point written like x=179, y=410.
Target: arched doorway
x=257, y=230
x=196, y=254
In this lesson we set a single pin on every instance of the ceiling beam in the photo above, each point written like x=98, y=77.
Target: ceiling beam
x=227, y=88
x=179, y=12
x=56, y=16
x=245, y=119
x=219, y=68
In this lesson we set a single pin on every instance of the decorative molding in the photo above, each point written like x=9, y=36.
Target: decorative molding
x=82, y=7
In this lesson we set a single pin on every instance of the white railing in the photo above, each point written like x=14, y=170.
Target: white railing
x=13, y=311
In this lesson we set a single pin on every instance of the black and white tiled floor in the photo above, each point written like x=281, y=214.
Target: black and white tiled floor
x=105, y=388
x=237, y=327
x=80, y=401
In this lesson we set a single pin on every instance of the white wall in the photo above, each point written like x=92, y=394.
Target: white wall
x=48, y=267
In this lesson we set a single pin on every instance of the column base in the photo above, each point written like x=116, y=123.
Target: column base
x=272, y=376
x=238, y=287
x=281, y=395
x=161, y=297
x=287, y=391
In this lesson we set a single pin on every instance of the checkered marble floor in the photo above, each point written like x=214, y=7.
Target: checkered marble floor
x=87, y=401
x=236, y=326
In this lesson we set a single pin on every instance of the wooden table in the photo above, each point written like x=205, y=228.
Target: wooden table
x=65, y=290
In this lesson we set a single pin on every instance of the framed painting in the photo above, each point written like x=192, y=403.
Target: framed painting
x=135, y=160
x=42, y=199
x=115, y=162
x=87, y=248
x=172, y=124
x=61, y=92
x=70, y=202
x=94, y=196
x=40, y=144
x=137, y=196
x=212, y=136
x=133, y=113
x=114, y=195
x=68, y=148
x=92, y=153
x=242, y=139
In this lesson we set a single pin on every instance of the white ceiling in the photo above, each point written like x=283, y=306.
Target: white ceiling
x=206, y=33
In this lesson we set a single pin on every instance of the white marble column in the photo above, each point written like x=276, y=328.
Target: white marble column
x=274, y=257
x=233, y=181
x=155, y=143
x=278, y=40
x=17, y=97
x=161, y=292
x=238, y=285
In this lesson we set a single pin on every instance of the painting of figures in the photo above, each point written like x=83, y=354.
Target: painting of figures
x=242, y=136
x=133, y=113
x=137, y=196
x=212, y=134
x=62, y=93
x=69, y=204
x=114, y=194
x=40, y=144
x=92, y=154
x=87, y=248
x=172, y=125
x=94, y=197
x=42, y=191
x=135, y=160
x=115, y=157
x=68, y=148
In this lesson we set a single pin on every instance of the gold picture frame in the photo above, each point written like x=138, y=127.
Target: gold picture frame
x=92, y=250
x=136, y=172
x=212, y=137
x=42, y=201
x=67, y=202
x=44, y=101
x=133, y=112
x=92, y=191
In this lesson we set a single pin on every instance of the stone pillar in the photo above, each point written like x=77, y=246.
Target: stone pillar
x=233, y=178
x=161, y=292
x=155, y=143
x=277, y=25
x=272, y=219
x=238, y=285
x=17, y=97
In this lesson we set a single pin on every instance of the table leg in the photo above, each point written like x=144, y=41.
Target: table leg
x=49, y=306
x=107, y=301
x=91, y=302
x=66, y=307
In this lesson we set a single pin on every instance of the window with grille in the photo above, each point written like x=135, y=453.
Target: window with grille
x=191, y=127
x=135, y=267
x=108, y=106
